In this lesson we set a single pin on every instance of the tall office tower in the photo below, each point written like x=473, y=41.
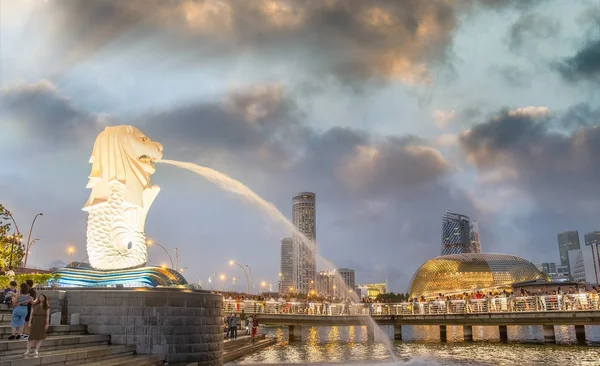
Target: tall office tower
x=347, y=276
x=592, y=240
x=475, y=239
x=325, y=284
x=456, y=234
x=569, y=240
x=286, y=268
x=304, y=217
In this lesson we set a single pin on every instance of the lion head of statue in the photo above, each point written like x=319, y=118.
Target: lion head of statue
x=123, y=154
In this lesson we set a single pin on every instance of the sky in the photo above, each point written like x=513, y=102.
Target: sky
x=390, y=111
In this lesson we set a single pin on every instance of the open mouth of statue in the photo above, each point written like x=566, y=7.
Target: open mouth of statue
x=146, y=160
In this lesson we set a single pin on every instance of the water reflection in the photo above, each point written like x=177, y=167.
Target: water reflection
x=421, y=346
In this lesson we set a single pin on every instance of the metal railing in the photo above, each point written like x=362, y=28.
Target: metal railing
x=546, y=303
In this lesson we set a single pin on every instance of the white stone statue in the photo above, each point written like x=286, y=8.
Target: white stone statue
x=121, y=196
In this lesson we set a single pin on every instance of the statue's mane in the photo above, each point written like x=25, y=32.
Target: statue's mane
x=111, y=161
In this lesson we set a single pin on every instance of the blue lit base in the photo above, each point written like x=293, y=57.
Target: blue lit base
x=135, y=277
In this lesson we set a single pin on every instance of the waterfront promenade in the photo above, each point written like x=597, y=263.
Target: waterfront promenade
x=545, y=311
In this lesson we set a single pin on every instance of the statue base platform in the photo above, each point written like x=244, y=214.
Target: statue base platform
x=133, y=277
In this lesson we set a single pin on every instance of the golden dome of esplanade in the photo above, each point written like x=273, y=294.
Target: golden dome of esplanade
x=469, y=272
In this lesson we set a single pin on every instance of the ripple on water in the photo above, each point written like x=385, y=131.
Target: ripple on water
x=347, y=345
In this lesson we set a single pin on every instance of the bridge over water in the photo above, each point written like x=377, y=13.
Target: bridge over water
x=526, y=311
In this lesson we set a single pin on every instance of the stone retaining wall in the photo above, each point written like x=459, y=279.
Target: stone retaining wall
x=184, y=325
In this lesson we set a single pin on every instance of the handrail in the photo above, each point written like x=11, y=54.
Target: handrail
x=544, y=303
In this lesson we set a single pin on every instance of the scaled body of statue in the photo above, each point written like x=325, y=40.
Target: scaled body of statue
x=121, y=197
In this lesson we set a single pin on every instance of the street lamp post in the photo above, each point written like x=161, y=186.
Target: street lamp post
x=71, y=250
x=222, y=278
x=29, y=240
x=210, y=279
x=248, y=281
x=150, y=242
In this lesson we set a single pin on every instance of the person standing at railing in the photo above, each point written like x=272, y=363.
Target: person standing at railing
x=594, y=298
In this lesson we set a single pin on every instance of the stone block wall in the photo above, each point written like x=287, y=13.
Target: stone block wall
x=184, y=325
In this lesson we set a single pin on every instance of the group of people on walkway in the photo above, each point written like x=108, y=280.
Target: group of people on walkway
x=30, y=314
x=249, y=324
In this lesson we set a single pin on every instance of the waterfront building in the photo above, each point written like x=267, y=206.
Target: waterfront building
x=326, y=284
x=470, y=272
x=335, y=283
x=304, y=218
x=287, y=266
x=475, y=238
x=371, y=290
x=568, y=240
x=592, y=240
x=348, y=277
x=583, y=265
x=456, y=234
x=554, y=271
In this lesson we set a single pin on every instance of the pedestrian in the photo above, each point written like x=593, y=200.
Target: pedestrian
x=20, y=301
x=254, y=327
x=27, y=318
x=233, y=324
x=39, y=322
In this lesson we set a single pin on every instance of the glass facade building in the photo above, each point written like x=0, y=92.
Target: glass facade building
x=569, y=240
x=286, y=267
x=460, y=273
x=456, y=234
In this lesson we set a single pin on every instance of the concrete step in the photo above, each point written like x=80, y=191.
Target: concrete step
x=247, y=349
x=240, y=342
x=5, y=330
x=52, y=343
x=75, y=356
x=131, y=360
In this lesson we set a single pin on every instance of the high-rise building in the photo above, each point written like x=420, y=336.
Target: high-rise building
x=475, y=239
x=304, y=217
x=348, y=278
x=326, y=284
x=569, y=240
x=582, y=266
x=286, y=268
x=456, y=234
x=592, y=240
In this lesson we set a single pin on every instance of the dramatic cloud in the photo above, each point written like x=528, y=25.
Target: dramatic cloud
x=541, y=161
x=530, y=28
x=443, y=117
x=353, y=40
x=39, y=112
x=584, y=65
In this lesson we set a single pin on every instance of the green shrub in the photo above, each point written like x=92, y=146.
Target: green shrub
x=39, y=279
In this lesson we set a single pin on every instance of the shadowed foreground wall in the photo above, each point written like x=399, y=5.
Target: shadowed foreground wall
x=184, y=325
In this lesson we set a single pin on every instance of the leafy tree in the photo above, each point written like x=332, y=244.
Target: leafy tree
x=8, y=243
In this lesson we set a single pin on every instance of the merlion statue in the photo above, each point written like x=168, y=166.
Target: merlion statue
x=121, y=196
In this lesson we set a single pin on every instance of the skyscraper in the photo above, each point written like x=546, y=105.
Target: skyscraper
x=592, y=240
x=348, y=277
x=456, y=234
x=286, y=268
x=569, y=240
x=304, y=217
x=475, y=239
